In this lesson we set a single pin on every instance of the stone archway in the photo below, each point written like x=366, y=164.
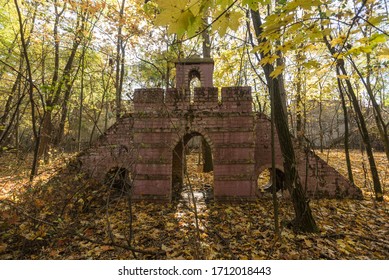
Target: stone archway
x=179, y=159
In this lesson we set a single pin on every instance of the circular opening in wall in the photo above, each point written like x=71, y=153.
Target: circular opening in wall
x=264, y=181
x=118, y=178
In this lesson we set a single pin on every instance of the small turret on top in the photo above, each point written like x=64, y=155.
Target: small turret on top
x=194, y=67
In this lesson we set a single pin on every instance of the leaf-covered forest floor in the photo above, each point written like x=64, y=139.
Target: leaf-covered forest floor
x=63, y=215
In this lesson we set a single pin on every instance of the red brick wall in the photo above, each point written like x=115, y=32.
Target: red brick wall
x=144, y=142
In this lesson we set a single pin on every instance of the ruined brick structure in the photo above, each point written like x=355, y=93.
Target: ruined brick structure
x=149, y=142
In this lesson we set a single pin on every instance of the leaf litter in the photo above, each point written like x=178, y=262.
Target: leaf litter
x=63, y=215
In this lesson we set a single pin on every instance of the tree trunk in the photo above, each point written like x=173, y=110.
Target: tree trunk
x=364, y=134
x=360, y=120
x=81, y=103
x=35, y=130
x=346, y=129
x=207, y=156
x=299, y=104
x=321, y=132
x=380, y=122
x=119, y=63
x=4, y=128
x=273, y=169
x=65, y=106
x=304, y=220
x=49, y=134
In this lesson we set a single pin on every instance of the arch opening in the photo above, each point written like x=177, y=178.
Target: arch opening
x=118, y=178
x=194, y=81
x=265, y=183
x=192, y=168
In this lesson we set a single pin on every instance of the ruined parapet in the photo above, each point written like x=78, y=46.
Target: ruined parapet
x=112, y=149
x=148, y=100
x=237, y=99
x=206, y=98
x=177, y=99
x=157, y=100
x=326, y=181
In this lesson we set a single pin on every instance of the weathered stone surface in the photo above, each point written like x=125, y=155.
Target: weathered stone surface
x=149, y=143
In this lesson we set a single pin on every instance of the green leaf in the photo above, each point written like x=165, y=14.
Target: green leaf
x=195, y=24
x=312, y=64
x=308, y=4
x=376, y=20
x=378, y=38
x=195, y=7
x=327, y=31
x=254, y=4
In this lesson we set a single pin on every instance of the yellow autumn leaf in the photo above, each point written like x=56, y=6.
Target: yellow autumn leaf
x=253, y=4
x=3, y=247
x=170, y=226
x=166, y=248
x=343, y=77
x=277, y=71
x=178, y=16
x=229, y=20
x=308, y=4
x=384, y=53
x=308, y=243
x=337, y=56
x=171, y=5
x=336, y=41
x=195, y=7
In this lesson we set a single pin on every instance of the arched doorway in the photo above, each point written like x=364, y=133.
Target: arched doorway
x=192, y=167
x=194, y=82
